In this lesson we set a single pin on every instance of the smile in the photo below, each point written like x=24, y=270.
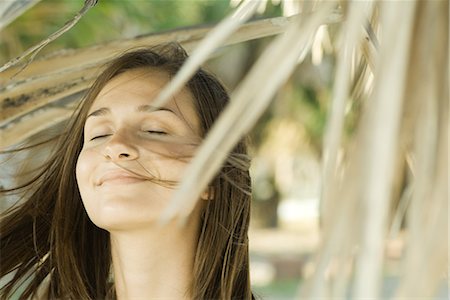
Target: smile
x=119, y=178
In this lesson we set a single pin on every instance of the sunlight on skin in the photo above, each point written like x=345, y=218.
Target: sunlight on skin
x=123, y=148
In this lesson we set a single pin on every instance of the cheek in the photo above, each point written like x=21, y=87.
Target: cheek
x=167, y=168
x=85, y=165
x=169, y=163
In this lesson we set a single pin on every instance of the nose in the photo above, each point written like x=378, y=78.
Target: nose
x=120, y=148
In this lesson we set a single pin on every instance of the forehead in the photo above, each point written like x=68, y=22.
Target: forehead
x=140, y=87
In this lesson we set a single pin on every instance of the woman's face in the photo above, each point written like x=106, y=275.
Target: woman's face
x=124, y=147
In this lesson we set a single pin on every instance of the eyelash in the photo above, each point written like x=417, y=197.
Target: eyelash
x=100, y=136
x=157, y=132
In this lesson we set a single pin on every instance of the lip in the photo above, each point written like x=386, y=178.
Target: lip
x=119, y=177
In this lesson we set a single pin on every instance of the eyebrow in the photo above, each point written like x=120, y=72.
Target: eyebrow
x=142, y=108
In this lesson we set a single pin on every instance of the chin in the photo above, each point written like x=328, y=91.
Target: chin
x=118, y=222
x=113, y=212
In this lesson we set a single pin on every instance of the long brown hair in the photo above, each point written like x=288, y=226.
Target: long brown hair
x=49, y=235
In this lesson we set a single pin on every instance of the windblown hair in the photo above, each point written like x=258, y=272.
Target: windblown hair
x=49, y=237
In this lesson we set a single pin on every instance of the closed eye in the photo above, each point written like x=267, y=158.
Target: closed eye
x=100, y=136
x=158, y=132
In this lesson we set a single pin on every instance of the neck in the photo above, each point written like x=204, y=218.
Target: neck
x=154, y=263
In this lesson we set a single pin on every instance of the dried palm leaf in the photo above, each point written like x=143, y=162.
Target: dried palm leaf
x=381, y=124
x=10, y=10
x=247, y=104
x=356, y=218
x=211, y=42
x=405, y=116
x=427, y=125
x=73, y=71
x=351, y=35
x=33, y=51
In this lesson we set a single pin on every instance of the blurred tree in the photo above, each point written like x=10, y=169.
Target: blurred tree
x=109, y=20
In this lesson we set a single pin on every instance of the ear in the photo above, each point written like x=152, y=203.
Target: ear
x=208, y=193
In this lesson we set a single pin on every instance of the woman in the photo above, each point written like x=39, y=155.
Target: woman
x=87, y=229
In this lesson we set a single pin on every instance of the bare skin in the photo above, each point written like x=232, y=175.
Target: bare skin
x=155, y=264
x=149, y=261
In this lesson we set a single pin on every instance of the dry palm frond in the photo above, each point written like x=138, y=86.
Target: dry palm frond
x=33, y=51
x=382, y=124
x=351, y=34
x=68, y=60
x=405, y=118
x=211, y=42
x=60, y=80
x=247, y=104
x=10, y=10
x=358, y=191
x=426, y=130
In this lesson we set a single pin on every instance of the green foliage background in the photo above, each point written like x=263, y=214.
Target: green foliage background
x=108, y=20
